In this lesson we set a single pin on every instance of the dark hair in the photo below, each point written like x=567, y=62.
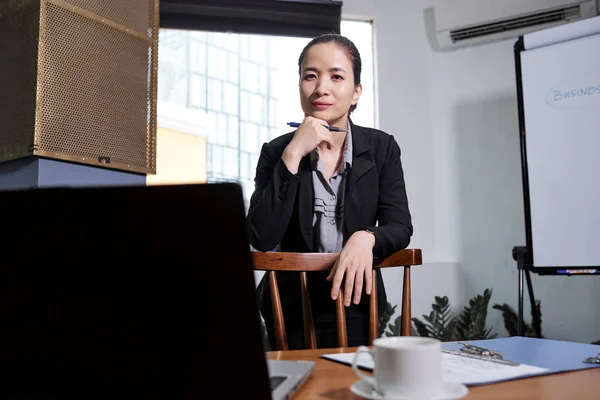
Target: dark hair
x=346, y=44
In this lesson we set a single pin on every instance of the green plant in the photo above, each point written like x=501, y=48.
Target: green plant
x=385, y=317
x=511, y=320
x=471, y=322
x=440, y=323
x=469, y=325
x=596, y=342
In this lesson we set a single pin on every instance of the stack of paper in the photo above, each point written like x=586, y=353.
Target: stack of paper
x=468, y=371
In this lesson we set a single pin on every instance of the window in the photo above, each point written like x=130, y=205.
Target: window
x=236, y=92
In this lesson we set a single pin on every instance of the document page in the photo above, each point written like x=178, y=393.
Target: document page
x=468, y=371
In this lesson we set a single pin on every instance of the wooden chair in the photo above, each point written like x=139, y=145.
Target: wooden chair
x=271, y=262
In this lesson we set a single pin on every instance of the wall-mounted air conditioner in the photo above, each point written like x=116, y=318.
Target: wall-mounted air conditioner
x=453, y=24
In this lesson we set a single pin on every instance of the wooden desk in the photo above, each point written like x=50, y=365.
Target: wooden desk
x=331, y=380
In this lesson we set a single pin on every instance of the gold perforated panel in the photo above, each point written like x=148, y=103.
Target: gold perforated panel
x=97, y=88
x=78, y=81
x=134, y=14
x=18, y=68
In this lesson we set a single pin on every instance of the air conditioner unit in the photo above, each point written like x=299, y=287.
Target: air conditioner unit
x=454, y=24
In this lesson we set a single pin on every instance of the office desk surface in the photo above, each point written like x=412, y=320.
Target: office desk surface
x=331, y=380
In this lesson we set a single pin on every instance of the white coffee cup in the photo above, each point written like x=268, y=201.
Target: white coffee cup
x=405, y=366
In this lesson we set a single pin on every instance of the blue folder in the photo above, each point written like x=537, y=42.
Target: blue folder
x=555, y=355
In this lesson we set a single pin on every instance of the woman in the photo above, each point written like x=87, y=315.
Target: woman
x=323, y=191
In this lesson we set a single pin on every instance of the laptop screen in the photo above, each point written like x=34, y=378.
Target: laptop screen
x=132, y=291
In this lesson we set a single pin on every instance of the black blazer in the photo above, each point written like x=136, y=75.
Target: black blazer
x=281, y=209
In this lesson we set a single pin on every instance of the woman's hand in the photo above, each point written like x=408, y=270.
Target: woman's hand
x=308, y=136
x=353, y=266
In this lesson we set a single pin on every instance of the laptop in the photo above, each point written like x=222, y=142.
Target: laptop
x=137, y=292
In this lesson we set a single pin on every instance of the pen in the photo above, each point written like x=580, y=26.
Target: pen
x=482, y=358
x=577, y=271
x=331, y=128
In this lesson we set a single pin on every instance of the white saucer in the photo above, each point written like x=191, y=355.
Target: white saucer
x=450, y=391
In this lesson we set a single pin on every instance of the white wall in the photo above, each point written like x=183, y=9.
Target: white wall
x=455, y=118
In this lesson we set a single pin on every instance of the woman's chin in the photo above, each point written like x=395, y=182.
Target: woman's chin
x=330, y=118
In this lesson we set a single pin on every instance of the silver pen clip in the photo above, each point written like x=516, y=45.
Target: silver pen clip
x=481, y=358
x=593, y=360
x=480, y=351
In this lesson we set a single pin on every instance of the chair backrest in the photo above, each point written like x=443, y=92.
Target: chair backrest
x=271, y=262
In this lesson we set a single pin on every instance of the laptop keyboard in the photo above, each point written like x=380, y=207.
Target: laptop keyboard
x=276, y=381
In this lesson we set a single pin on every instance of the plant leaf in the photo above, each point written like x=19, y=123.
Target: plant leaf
x=536, y=320
x=421, y=328
x=395, y=328
x=511, y=321
x=469, y=325
x=385, y=317
x=438, y=324
x=471, y=322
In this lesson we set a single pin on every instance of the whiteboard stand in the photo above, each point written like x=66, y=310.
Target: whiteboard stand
x=519, y=254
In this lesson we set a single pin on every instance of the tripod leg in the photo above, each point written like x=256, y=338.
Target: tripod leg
x=520, y=329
